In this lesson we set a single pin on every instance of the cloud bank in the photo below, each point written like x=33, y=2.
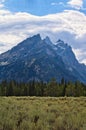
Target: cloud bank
x=68, y=25
x=77, y=4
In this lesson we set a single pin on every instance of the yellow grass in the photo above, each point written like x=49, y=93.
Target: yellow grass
x=42, y=113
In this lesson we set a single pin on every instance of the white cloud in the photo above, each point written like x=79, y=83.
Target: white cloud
x=81, y=53
x=77, y=4
x=54, y=3
x=58, y=3
x=2, y=3
x=14, y=27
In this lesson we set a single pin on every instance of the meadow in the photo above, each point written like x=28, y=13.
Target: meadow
x=42, y=113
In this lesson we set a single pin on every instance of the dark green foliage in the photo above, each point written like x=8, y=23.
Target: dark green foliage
x=36, y=88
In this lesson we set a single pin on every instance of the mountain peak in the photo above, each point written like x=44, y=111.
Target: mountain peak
x=62, y=44
x=35, y=58
x=60, y=41
x=47, y=40
x=36, y=37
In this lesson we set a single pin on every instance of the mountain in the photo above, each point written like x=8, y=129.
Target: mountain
x=40, y=59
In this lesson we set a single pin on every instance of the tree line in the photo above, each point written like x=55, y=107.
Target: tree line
x=40, y=88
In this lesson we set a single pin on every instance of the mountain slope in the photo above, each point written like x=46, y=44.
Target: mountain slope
x=39, y=59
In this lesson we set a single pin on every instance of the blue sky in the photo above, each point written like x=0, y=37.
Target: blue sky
x=64, y=19
x=39, y=7
x=35, y=7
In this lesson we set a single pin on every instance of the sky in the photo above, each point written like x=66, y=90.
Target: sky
x=58, y=19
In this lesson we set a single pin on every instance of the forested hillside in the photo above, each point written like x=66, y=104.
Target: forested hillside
x=39, y=88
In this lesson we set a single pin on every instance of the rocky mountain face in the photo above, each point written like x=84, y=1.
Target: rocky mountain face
x=37, y=59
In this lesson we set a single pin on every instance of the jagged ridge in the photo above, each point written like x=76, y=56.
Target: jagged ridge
x=39, y=59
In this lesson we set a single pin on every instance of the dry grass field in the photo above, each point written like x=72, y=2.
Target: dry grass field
x=42, y=113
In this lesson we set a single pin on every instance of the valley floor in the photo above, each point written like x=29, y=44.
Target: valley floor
x=42, y=113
